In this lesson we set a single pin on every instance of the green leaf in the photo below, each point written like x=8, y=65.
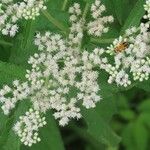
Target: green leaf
x=10, y=72
x=99, y=129
x=5, y=128
x=23, y=44
x=144, y=117
x=145, y=106
x=135, y=135
x=122, y=9
x=118, y=7
x=127, y=114
x=145, y=85
x=8, y=139
x=140, y=135
x=127, y=137
x=3, y=121
x=135, y=16
x=50, y=137
x=5, y=43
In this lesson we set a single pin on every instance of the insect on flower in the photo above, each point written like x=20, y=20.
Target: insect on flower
x=121, y=47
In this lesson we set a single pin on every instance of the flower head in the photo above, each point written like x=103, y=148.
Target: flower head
x=11, y=13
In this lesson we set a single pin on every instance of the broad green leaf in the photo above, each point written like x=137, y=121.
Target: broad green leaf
x=107, y=107
x=23, y=44
x=127, y=137
x=135, y=135
x=5, y=46
x=8, y=139
x=3, y=121
x=5, y=43
x=135, y=16
x=140, y=135
x=99, y=129
x=145, y=119
x=83, y=134
x=50, y=137
x=144, y=106
x=127, y=114
x=5, y=128
x=4, y=51
x=10, y=72
x=122, y=102
x=122, y=9
x=145, y=85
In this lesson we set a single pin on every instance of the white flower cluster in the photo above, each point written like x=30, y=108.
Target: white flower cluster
x=75, y=75
x=11, y=13
x=131, y=57
x=62, y=76
x=98, y=26
x=27, y=127
x=147, y=8
x=78, y=24
x=59, y=79
x=19, y=92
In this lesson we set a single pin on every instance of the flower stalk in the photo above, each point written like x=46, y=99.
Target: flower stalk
x=54, y=21
x=64, y=5
x=85, y=10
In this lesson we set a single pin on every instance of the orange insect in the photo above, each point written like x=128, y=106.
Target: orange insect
x=121, y=47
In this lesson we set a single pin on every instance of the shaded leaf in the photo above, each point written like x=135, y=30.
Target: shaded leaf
x=99, y=129
x=135, y=16
x=10, y=72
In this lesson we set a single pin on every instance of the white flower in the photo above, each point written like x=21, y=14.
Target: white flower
x=50, y=85
x=131, y=56
x=27, y=127
x=98, y=26
x=147, y=8
x=62, y=75
x=11, y=13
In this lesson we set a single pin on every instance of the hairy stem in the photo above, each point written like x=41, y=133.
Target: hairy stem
x=54, y=21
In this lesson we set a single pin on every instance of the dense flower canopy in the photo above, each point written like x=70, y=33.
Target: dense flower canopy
x=62, y=76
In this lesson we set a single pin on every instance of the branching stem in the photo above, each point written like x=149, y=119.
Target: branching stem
x=85, y=10
x=54, y=21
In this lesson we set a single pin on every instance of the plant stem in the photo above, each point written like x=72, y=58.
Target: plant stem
x=85, y=10
x=54, y=21
x=102, y=41
x=5, y=43
x=64, y=5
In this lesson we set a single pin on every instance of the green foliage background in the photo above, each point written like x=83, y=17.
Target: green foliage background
x=97, y=130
